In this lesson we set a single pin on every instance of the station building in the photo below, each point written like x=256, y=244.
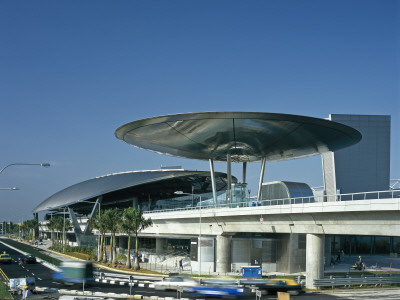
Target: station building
x=351, y=147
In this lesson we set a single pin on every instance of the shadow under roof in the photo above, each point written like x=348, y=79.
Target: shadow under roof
x=246, y=136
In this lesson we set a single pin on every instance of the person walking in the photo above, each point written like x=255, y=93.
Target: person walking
x=180, y=265
x=26, y=293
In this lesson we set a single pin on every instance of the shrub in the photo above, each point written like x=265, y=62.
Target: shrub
x=121, y=258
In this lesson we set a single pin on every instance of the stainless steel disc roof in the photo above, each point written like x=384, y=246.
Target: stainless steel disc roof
x=164, y=182
x=246, y=136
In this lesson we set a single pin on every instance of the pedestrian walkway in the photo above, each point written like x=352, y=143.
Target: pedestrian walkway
x=372, y=263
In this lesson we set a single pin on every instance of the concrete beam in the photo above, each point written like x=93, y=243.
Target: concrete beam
x=363, y=217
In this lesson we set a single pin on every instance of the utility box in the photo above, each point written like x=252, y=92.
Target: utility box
x=17, y=284
x=253, y=272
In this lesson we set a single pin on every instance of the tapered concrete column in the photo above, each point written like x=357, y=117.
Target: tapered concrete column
x=315, y=249
x=213, y=180
x=160, y=245
x=135, y=202
x=261, y=178
x=223, y=252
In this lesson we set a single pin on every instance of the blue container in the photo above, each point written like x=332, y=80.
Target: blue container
x=252, y=272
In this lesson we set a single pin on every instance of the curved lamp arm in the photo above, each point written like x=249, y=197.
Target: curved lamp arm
x=46, y=165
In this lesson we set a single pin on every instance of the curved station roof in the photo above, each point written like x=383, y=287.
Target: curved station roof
x=120, y=187
x=246, y=136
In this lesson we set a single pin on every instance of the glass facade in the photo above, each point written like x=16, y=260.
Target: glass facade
x=368, y=245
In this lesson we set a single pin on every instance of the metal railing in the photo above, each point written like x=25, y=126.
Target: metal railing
x=333, y=282
x=2, y=274
x=253, y=202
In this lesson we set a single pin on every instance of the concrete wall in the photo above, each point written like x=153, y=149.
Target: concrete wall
x=246, y=250
x=291, y=253
x=362, y=167
x=240, y=253
x=207, y=256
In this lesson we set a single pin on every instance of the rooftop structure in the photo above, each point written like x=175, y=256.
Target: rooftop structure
x=141, y=187
x=238, y=137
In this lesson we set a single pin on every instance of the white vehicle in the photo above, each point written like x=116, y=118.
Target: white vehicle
x=173, y=283
x=17, y=284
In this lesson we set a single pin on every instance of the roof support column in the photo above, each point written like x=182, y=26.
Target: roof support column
x=263, y=160
x=77, y=227
x=229, y=174
x=135, y=202
x=213, y=181
x=244, y=172
x=96, y=206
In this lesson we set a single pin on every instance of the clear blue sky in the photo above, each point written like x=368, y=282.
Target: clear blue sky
x=71, y=72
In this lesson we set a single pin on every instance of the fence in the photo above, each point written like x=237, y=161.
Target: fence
x=166, y=261
x=357, y=281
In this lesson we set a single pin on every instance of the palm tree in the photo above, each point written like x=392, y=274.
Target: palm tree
x=140, y=223
x=34, y=224
x=52, y=227
x=112, y=219
x=26, y=229
x=59, y=226
x=128, y=226
x=67, y=225
x=98, y=222
x=30, y=227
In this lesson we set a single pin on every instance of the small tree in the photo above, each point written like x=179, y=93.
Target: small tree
x=140, y=223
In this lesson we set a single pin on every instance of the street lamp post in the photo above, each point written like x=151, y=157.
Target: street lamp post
x=64, y=230
x=200, y=240
x=46, y=165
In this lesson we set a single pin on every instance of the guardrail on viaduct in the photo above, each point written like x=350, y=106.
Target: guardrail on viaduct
x=252, y=202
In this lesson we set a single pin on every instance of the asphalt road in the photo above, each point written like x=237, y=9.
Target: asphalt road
x=43, y=276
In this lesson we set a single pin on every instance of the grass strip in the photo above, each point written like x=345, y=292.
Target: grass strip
x=33, y=251
x=4, y=293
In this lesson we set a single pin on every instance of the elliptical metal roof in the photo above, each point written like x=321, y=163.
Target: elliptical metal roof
x=246, y=136
x=114, y=182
